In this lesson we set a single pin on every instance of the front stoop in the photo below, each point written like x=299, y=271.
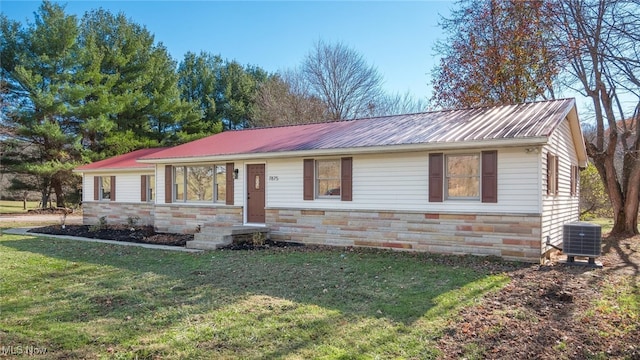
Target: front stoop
x=216, y=237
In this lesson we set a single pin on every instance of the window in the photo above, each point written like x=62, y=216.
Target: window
x=462, y=176
x=221, y=183
x=552, y=174
x=147, y=191
x=151, y=187
x=105, y=188
x=328, y=178
x=205, y=183
x=575, y=179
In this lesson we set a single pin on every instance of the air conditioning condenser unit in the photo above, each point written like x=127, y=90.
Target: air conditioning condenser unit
x=581, y=239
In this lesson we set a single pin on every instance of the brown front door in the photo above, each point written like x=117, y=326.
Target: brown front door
x=255, y=193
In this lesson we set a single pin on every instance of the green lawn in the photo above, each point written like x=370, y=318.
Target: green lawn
x=86, y=300
x=16, y=207
x=605, y=223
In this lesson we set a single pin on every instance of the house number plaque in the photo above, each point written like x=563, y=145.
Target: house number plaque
x=273, y=178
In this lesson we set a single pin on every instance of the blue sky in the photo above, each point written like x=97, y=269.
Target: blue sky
x=396, y=37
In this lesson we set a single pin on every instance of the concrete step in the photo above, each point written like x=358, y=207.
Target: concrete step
x=212, y=238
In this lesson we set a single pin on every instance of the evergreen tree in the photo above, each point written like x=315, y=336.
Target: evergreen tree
x=197, y=79
x=39, y=72
x=223, y=91
x=132, y=98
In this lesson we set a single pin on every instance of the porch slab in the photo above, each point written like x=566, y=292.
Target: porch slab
x=212, y=238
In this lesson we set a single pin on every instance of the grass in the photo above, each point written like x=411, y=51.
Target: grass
x=86, y=300
x=605, y=223
x=16, y=207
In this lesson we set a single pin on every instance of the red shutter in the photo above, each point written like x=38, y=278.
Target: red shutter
x=143, y=188
x=308, y=172
x=549, y=161
x=346, y=181
x=168, y=184
x=230, y=178
x=489, y=176
x=96, y=188
x=436, y=169
x=112, y=195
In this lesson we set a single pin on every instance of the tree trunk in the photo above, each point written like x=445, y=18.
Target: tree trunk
x=44, y=199
x=632, y=200
x=57, y=188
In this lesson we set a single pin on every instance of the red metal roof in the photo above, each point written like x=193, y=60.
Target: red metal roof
x=122, y=162
x=521, y=121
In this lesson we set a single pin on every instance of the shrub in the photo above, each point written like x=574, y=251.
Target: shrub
x=102, y=223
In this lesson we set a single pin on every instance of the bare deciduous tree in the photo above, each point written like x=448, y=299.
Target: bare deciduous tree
x=285, y=99
x=341, y=77
x=397, y=103
x=601, y=39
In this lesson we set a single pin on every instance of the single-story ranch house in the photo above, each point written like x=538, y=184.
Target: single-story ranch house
x=490, y=181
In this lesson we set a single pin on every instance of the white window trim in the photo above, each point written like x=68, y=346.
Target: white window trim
x=101, y=189
x=316, y=179
x=150, y=188
x=445, y=179
x=214, y=189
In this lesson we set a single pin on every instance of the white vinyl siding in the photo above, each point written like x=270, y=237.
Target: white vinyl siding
x=128, y=186
x=399, y=181
x=87, y=188
x=561, y=208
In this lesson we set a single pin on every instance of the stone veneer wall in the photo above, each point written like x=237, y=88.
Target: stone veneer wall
x=187, y=219
x=513, y=237
x=117, y=212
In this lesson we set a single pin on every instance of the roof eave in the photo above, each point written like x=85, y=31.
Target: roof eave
x=102, y=170
x=578, y=138
x=439, y=146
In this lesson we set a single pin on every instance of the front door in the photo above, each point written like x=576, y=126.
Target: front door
x=255, y=193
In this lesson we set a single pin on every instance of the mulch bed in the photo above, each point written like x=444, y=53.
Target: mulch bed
x=50, y=211
x=138, y=234
x=147, y=235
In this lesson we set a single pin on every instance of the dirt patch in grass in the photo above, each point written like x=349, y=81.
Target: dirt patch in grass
x=557, y=311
